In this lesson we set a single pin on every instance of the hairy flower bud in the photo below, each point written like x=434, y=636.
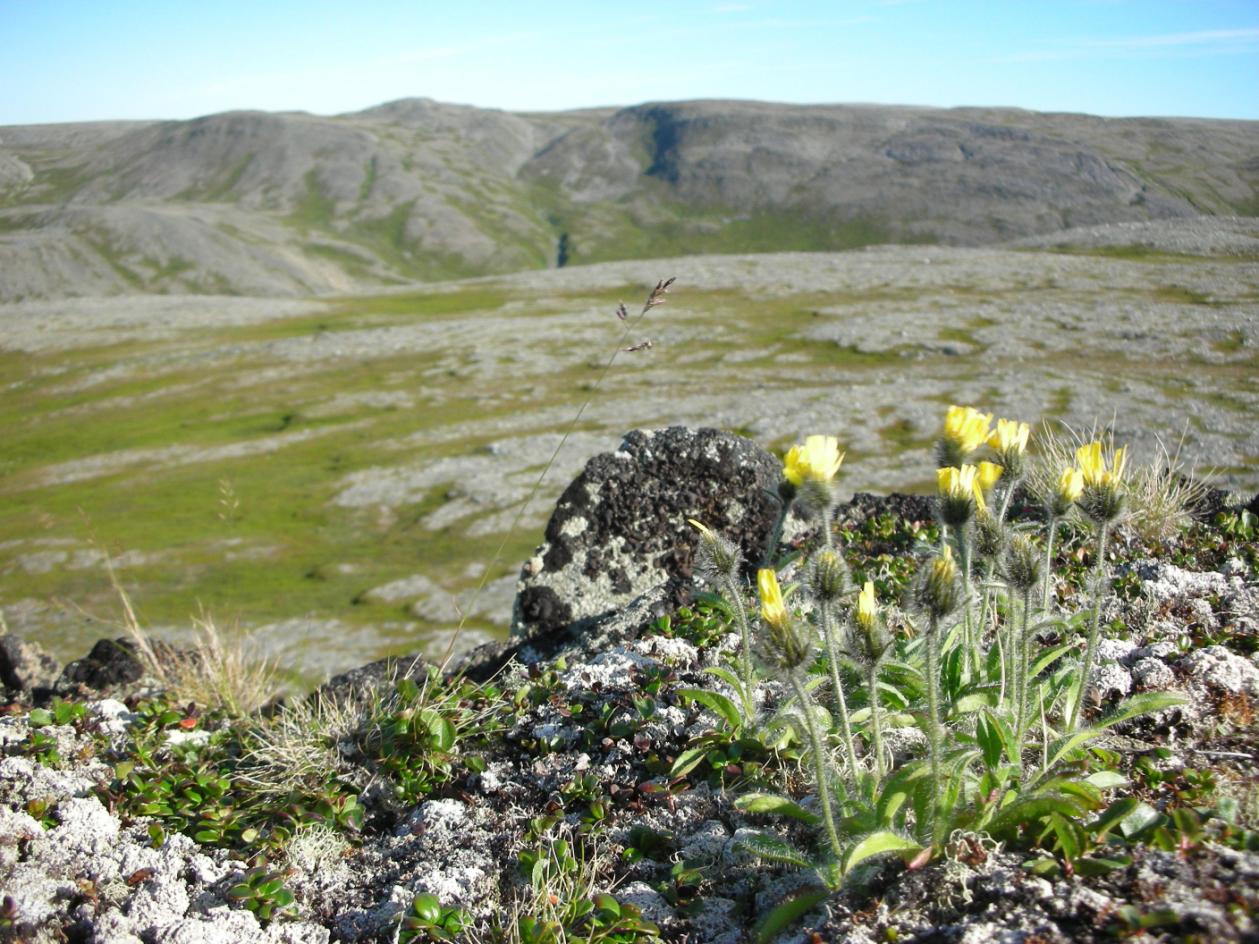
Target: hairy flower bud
x=1022, y=563
x=787, y=647
x=773, y=609
x=990, y=536
x=717, y=558
x=938, y=590
x=827, y=576
x=866, y=639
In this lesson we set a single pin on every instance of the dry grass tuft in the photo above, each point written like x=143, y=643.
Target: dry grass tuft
x=297, y=747
x=213, y=674
x=1162, y=493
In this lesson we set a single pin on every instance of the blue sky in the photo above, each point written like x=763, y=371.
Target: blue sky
x=72, y=60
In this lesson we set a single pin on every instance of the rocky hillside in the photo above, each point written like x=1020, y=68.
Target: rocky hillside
x=284, y=204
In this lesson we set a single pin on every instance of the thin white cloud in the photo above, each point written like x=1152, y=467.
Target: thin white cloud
x=1199, y=38
x=1193, y=44
x=732, y=8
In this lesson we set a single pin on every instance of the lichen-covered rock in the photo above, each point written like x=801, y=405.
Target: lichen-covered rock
x=24, y=666
x=620, y=529
x=1223, y=669
x=1153, y=674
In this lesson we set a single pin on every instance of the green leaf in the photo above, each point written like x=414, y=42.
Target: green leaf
x=899, y=787
x=989, y=740
x=40, y=717
x=1106, y=779
x=715, y=702
x=439, y=728
x=772, y=848
x=687, y=761
x=427, y=908
x=605, y=902
x=772, y=804
x=1064, y=747
x=1099, y=865
x=789, y=912
x=972, y=702
x=1029, y=810
x=877, y=844
x=1114, y=814
x=1140, y=819
x=1049, y=657
x=1143, y=704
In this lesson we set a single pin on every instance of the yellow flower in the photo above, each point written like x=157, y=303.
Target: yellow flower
x=704, y=531
x=818, y=460
x=1093, y=468
x=960, y=485
x=1010, y=437
x=1070, y=485
x=773, y=610
x=867, y=608
x=987, y=475
x=966, y=427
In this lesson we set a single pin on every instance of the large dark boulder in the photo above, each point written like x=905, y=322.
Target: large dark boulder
x=112, y=667
x=620, y=529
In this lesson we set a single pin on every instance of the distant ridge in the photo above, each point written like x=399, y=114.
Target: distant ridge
x=296, y=204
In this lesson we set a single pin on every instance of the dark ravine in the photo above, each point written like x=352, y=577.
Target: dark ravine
x=72, y=868
x=295, y=204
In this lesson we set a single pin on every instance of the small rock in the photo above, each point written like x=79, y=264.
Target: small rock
x=1113, y=650
x=1153, y=674
x=24, y=666
x=1109, y=679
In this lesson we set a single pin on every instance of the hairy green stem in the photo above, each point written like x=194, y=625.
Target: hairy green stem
x=841, y=703
x=876, y=723
x=933, y=720
x=1024, y=667
x=969, y=652
x=1049, y=560
x=735, y=595
x=819, y=762
x=1099, y=574
x=827, y=540
x=1005, y=499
